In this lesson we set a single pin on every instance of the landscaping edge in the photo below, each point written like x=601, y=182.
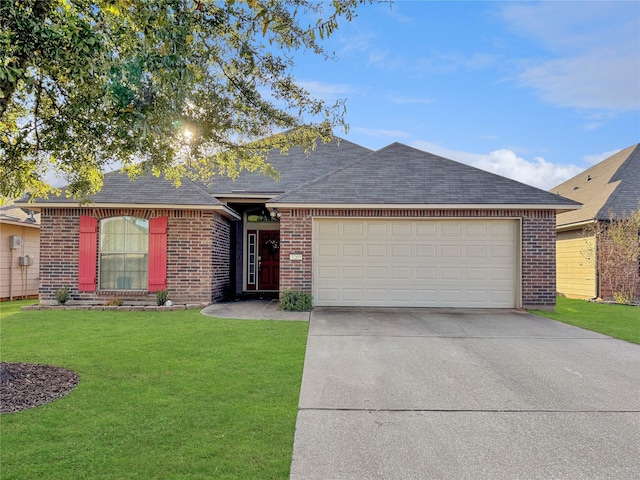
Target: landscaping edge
x=124, y=308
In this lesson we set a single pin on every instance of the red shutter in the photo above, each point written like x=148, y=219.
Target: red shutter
x=87, y=261
x=157, y=254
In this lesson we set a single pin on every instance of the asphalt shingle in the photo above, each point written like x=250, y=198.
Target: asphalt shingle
x=146, y=189
x=295, y=168
x=612, y=185
x=399, y=174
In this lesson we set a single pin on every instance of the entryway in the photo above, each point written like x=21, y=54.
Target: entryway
x=263, y=260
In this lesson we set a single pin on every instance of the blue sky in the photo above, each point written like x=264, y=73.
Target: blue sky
x=535, y=91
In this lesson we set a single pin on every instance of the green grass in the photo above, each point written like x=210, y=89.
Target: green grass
x=167, y=395
x=619, y=321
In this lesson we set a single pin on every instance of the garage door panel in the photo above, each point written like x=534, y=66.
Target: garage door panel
x=501, y=229
x=501, y=274
x=426, y=273
x=377, y=229
x=426, y=251
x=327, y=229
x=477, y=229
x=451, y=229
x=476, y=274
x=476, y=252
x=451, y=273
x=352, y=250
x=451, y=251
x=328, y=250
x=401, y=273
x=328, y=273
x=402, y=251
x=376, y=294
x=352, y=228
x=501, y=251
x=376, y=250
x=376, y=273
x=401, y=229
x=352, y=273
x=353, y=294
x=415, y=263
x=403, y=296
x=326, y=296
x=449, y=296
x=428, y=230
x=477, y=296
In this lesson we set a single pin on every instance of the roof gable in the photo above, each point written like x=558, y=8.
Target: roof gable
x=147, y=189
x=296, y=168
x=402, y=175
x=612, y=185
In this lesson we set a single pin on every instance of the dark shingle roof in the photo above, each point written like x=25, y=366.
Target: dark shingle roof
x=146, y=189
x=611, y=185
x=403, y=175
x=295, y=168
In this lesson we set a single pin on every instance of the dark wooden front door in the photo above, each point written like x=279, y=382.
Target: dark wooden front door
x=269, y=260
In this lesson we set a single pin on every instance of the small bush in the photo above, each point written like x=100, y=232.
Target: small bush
x=62, y=295
x=161, y=297
x=114, y=302
x=296, y=301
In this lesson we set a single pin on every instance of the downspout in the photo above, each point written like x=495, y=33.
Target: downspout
x=598, y=288
x=11, y=277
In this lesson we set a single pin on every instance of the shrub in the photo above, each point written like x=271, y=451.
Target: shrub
x=62, y=295
x=296, y=301
x=161, y=297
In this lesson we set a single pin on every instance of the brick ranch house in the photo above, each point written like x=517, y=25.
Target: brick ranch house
x=611, y=186
x=353, y=227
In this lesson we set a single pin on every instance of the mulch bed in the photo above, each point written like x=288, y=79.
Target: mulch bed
x=28, y=385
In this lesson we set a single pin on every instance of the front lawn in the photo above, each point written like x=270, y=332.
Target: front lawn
x=166, y=395
x=619, y=321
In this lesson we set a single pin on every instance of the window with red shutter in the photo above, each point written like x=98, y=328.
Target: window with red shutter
x=157, y=254
x=87, y=262
x=124, y=259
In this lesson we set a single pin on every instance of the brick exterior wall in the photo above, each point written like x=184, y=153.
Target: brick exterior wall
x=538, y=264
x=539, y=260
x=197, y=266
x=221, y=259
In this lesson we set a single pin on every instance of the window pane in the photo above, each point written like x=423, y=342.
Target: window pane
x=124, y=260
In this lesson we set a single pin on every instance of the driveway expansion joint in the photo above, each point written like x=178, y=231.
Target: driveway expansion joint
x=455, y=410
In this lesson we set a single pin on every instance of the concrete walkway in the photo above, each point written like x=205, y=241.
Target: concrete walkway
x=445, y=394
x=253, y=309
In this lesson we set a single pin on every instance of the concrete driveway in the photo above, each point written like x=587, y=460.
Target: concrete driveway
x=461, y=394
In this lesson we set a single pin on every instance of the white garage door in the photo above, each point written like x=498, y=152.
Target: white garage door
x=424, y=263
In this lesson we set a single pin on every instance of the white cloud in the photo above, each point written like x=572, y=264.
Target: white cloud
x=592, y=58
x=536, y=172
x=596, y=80
x=598, y=157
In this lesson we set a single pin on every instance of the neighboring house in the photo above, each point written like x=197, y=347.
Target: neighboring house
x=19, y=252
x=395, y=227
x=611, y=186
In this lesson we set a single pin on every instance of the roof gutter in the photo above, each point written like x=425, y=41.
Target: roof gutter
x=574, y=226
x=222, y=209
x=425, y=206
x=19, y=223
